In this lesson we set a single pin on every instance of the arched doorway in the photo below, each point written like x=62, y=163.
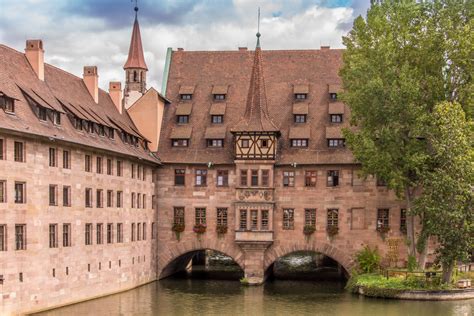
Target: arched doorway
x=203, y=263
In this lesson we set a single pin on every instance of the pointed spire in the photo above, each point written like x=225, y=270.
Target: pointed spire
x=256, y=117
x=135, y=52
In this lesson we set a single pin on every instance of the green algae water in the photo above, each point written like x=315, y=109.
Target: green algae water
x=185, y=296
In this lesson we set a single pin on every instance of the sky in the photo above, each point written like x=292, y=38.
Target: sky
x=76, y=33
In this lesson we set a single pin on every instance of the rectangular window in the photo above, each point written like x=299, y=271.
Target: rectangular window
x=219, y=97
x=53, y=195
x=333, y=217
x=215, y=143
x=200, y=216
x=56, y=118
x=7, y=104
x=222, y=178
x=245, y=143
x=186, y=97
x=67, y=235
x=300, y=96
x=333, y=96
x=288, y=218
x=201, y=177
x=66, y=159
x=182, y=119
x=243, y=220
x=110, y=197
x=265, y=177
x=139, y=230
x=144, y=201
x=133, y=171
x=310, y=217
x=19, y=152
x=336, y=142
x=20, y=192
x=335, y=118
x=53, y=235
x=100, y=198
x=264, y=221
x=264, y=143
x=110, y=233
x=299, y=143
x=3, y=237
x=333, y=178
x=139, y=172
x=217, y=119
x=66, y=195
x=403, y=221
x=300, y=118
x=139, y=199
x=119, y=232
x=2, y=149
x=310, y=178
x=119, y=198
x=88, y=197
x=133, y=200
x=254, y=178
x=99, y=165
x=179, y=143
x=288, y=178
x=382, y=218
x=179, y=176
x=3, y=191
x=100, y=233
x=53, y=157
x=243, y=178
x=42, y=113
x=153, y=230
x=253, y=219
x=178, y=216
x=144, y=231
x=88, y=234
x=119, y=168
x=132, y=235
x=87, y=163
x=109, y=167
x=221, y=216
x=20, y=236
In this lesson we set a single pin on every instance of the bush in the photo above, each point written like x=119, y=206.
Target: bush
x=412, y=265
x=368, y=259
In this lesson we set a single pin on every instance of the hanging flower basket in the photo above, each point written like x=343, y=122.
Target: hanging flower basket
x=200, y=228
x=178, y=228
x=309, y=230
x=221, y=229
x=332, y=230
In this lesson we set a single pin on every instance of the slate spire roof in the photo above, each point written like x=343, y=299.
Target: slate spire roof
x=256, y=117
x=135, y=52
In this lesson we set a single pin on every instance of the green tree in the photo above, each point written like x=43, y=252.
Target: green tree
x=399, y=62
x=447, y=198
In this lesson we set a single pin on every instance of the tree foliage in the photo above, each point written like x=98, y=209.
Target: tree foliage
x=447, y=198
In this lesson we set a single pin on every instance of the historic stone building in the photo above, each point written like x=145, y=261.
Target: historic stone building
x=77, y=213
x=252, y=148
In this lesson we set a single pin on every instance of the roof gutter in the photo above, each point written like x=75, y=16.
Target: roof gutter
x=166, y=71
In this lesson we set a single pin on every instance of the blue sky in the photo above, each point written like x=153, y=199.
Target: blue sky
x=97, y=32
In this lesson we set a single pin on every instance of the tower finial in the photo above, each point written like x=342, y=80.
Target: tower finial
x=258, y=28
x=136, y=8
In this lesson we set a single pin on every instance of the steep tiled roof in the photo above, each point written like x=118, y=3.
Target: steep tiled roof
x=135, y=52
x=317, y=70
x=65, y=93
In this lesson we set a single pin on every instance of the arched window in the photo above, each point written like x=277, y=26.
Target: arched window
x=135, y=76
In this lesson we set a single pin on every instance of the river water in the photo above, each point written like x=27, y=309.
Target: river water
x=199, y=297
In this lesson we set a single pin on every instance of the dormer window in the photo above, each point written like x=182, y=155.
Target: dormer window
x=301, y=96
x=299, y=143
x=42, y=113
x=215, y=143
x=336, y=118
x=186, y=97
x=57, y=118
x=7, y=104
x=300, y=118
x=101, y=130
x=182, y=119
x=336, y=142
x=219, y=97
x=333, y=96
x=217, y=119
x=111, y=133
x=219, y=92
x=180, y=143
x=334, y=89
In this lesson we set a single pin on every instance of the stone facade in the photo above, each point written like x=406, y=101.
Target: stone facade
x=62, y=275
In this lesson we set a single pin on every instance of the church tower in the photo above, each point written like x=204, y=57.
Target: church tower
x=135, y=67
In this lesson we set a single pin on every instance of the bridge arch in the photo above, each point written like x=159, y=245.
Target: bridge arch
x=174, y=256
x=278, y=251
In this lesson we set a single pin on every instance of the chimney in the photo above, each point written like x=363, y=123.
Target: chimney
x=180, y=49
x=35, y=54
x=327, y=47
x=91, y=79
x=115, y=92
x=242, y=49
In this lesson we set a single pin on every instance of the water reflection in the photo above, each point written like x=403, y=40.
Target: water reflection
x=219, y=297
